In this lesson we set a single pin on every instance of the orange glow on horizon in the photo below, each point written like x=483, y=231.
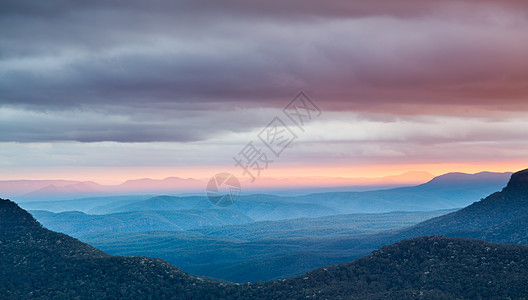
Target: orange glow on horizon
x=117, y=175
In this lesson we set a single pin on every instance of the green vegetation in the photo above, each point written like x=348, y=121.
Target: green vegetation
x=431, y=267
x=248, y=252
x=36, y=263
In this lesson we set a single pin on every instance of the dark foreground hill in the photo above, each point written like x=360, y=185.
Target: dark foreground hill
x=432, y=267
x=38, y=263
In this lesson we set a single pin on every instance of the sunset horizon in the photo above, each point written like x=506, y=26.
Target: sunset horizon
x=414, y=176
x=235, y=149
x=356, y=90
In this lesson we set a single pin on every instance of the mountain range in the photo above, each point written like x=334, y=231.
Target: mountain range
x=45, y=190
x=42, y=190
x=288, y=247
x=500, y=217
x=36, y=263
x=79, y=223
x=260, y=250
x=453, y=190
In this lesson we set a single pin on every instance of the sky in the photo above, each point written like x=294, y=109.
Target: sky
x=114, y=90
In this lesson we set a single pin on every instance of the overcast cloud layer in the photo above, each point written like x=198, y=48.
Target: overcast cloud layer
x=216, y=71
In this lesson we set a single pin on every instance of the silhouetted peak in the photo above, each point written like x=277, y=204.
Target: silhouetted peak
x=464, y=178
x=11, y=216
x=518, y=181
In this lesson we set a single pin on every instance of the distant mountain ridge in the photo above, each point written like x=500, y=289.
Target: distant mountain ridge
x=44, y=190
x=458, y=177
x=469, y=225
x=452, y=190
x=78, y=223
x=488, y=218
x=500, y=217
x=61, y=190
x=20, y=187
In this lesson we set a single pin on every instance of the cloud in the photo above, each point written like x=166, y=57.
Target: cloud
x=186, y=71
x=340, y=141
x=131, y=126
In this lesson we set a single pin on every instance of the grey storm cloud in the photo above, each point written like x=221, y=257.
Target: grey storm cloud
x=152, y=60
